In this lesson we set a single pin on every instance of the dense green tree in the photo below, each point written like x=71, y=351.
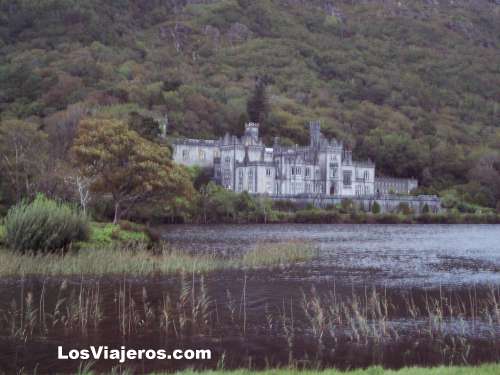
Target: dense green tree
x=147, y=127
x=258, y=105
x=420, y=98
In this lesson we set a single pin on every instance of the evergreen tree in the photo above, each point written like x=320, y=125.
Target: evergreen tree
x=258, y=105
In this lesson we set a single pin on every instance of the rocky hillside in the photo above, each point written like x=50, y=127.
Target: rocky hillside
x=415, y=85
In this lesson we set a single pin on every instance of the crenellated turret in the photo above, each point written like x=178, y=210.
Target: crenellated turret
x=252, y=130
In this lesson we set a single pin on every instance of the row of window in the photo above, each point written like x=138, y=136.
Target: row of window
x=365, y=176
x=297, y=171
x=362, y=190
x=201, y=155
x=307, y=187
x=269, y=172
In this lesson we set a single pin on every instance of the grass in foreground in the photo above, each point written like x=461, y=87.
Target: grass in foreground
x=481, y=370
x=137, y=260
x=490, y=369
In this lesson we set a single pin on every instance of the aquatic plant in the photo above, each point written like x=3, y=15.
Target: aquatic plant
x=486, y=369
x=278, y=254
x=367, y=320
x=137, y=259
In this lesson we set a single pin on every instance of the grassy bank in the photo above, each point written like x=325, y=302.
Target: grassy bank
x=482, y=370
x=490, y=369
x=136, y=259
x=318, y=216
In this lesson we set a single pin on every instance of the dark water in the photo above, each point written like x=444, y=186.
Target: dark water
x=393, y=255
x=375, y=294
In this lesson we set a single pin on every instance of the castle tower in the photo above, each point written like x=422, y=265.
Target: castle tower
x=252, y=130
x=315, y=133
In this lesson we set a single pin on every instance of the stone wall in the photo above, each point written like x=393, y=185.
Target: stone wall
x=387, y=203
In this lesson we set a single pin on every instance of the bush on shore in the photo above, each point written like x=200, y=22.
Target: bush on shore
x=44, y=225
x=106, y=234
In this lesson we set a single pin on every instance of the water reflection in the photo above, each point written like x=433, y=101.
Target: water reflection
x=423, y=255
x=390, y=295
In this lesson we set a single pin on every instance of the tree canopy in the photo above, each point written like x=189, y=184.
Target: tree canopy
x=413, y=85
x=131, y=169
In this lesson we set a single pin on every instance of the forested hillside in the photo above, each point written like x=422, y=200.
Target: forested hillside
x=412, y=84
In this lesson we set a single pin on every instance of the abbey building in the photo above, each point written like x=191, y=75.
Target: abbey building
x=324, y=167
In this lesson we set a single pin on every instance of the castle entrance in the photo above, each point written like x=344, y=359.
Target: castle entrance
x=332, y=190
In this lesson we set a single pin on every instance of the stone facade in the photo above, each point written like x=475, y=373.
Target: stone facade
x=391, y=185
x=324, y=167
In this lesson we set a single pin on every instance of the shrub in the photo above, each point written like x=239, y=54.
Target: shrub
x=404, y=208
x=284, y=206
x=317, y=216
x=375, y=208
x=347, y=206
x=44, y=225
x=107, y=234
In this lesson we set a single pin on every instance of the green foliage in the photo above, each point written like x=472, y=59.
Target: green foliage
x=102, y=235
x=24, y=150
x=454, y=200
x=131, y=169
x=281, y=254
x=376, y=208
x=120, y=258
x=410, y=86
x=404, y=208
x=347, y=206
x=317, y=216
x=44, y=225
x=257, y=105
x=146, y=127
x=487, y=369
x=217, y=204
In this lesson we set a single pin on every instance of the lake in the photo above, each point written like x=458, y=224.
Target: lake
x=393, y=295
x=404, y=255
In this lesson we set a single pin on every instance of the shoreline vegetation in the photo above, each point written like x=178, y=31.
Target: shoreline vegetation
x=365, y=323
x=488, y=369
x=141, y=261
x=30, y=243
x=325, y=216
x=128, y=249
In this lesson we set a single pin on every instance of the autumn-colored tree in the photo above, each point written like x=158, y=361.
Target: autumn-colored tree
x=61, y=128
x=127, y=167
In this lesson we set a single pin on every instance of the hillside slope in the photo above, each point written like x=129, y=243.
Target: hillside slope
x=414, y=85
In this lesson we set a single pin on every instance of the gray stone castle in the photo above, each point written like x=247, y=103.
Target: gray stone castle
x=322, y=168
